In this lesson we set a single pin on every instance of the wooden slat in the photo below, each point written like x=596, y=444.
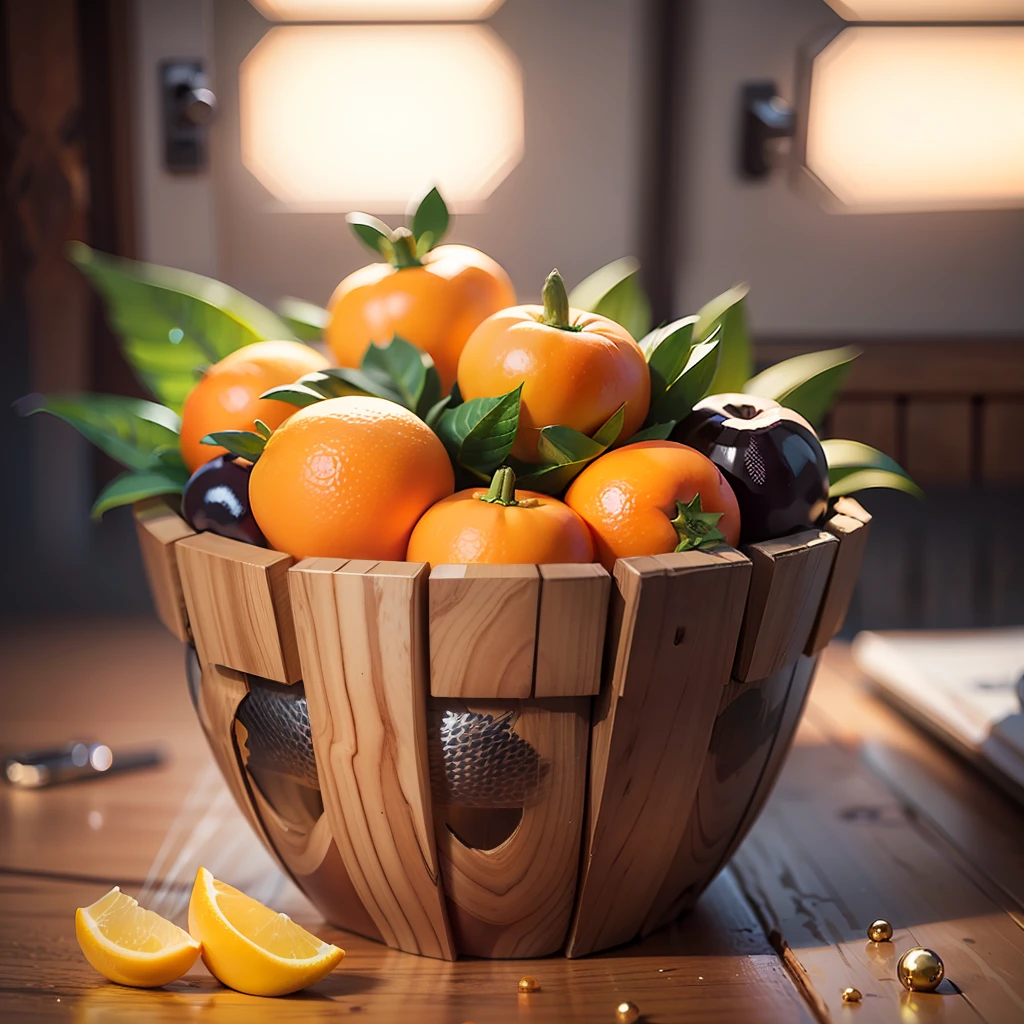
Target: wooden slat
x=675, y=622
x=516, y=900
x=238, y=606
x=571, y=629
x=871, y=420
x=483, y=630
x=1002, y=450
x=789, y=577
x=852, y=534
x=362, y=643
x=835, y=850
x=159, y=527
x=741, y=743
x=939, y=433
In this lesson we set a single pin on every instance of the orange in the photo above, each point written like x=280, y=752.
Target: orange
x=629, y=498
x=348, y=478
x=228, y=396
x=435, y=305
x=500, y=525
x=576, y=368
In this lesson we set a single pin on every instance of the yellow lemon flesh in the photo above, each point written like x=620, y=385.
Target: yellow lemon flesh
x=133, y=946
x=250, y=947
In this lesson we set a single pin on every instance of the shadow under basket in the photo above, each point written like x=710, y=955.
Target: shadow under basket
x=501, y=761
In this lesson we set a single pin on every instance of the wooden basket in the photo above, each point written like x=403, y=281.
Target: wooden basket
x=507, y=761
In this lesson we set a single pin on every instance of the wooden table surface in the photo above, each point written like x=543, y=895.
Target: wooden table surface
x=870, y=819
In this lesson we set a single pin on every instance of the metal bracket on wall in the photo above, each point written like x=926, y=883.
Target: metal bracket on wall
x=188, y=108
x=764, y=116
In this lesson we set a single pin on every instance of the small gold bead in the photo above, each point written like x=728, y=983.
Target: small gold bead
x=920, y=970
x=528, y=983
x=627, y=1013
x=880, y=931
x=852, y=995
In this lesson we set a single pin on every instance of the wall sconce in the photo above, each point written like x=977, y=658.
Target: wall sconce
x=901, y=117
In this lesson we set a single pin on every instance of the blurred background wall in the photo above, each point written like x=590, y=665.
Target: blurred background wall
x=630, y=114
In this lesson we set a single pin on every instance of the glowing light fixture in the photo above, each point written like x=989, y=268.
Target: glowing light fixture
x=376, y=10
x=902, y=118
x=336, y=117
x=928, y=10
x=919, y=117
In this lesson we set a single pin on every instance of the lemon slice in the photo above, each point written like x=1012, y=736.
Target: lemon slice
x=250, y=947
x=133, y=946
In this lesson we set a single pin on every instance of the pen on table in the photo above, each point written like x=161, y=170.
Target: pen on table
x=77, y=761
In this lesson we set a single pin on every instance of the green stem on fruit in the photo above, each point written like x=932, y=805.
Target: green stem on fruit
x=404, y=247
x=695, y=527
x=556, y=302
x=503, y=490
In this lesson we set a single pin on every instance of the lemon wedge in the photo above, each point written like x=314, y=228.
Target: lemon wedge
x=250, y=947
x=133, y=946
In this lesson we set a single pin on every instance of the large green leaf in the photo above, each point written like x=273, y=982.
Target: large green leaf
x=245, y=444
x=171, y=321
x=402, y=365
x=854, y=466
x=736, y=361
x=690, y=386
x=666, y=350
x=131, y=486
x=615, y=291
x=373, y=233
x=565, y=452
x=131, y=431
x=479, y=434
x=807, y=384
x=306, y=320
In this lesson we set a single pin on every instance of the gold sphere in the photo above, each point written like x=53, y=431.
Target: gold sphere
x=528, y=983
x=880, y=931
x=852, y=995
x=627, y=1013
x=920, y=970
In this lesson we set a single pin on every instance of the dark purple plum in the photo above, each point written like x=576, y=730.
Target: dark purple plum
x=216, y=498
x=771, y=457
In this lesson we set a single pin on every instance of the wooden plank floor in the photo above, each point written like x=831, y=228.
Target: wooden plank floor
x=870, y=819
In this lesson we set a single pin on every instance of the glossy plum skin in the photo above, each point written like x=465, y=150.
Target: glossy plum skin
x=216, y=498
x=771, y=457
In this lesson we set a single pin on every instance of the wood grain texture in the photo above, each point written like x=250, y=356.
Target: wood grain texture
x=675, y=622
x=873, y=421
x=516, y=900
x=788, y=581
x=1002, y=454
x=238, y=606
x=159, y=527
x=362, y=641
x=571, y=629
x=715, y=969
x=483, y=630
x=939, y=441
x=742, y=740
x=852, y=534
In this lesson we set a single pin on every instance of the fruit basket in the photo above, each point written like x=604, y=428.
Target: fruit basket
x=475, y=759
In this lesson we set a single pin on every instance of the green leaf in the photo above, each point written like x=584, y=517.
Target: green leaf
x=657, y=432
x=666, y=350
x=479, y=434
x=430, y=218
x=433, y=414
x=306, y=319
x=171, y=321
x=854, y=466
x=431, y=394
x=615, y=291
x=243, y=443
x=372, y=232
x=690, y=386
x=566, y=452
x=299, y=395
x=807, y=384
x=131, y=487
x=402, y=365
x=131, y=431
x=736, y=361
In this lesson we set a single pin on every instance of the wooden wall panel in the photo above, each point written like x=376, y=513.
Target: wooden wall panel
x=939, y=433
x=1002, y=448
x=871, y=420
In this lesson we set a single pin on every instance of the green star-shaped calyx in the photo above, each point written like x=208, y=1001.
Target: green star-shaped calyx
x=696, y=528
